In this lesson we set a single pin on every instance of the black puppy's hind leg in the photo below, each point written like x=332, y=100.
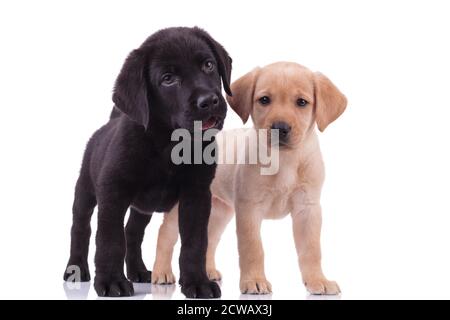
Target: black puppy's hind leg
x=113, y=202
x=134, y=233
x=83, y=206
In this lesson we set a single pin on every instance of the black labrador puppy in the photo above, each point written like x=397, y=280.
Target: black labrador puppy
x=170, y=81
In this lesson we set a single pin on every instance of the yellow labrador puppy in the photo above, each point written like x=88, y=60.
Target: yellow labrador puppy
x=288, y=97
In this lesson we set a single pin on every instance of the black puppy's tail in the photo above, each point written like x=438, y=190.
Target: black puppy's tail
x=115, y=113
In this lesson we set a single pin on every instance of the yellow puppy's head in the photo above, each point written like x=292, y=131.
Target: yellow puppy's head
x=288, y=97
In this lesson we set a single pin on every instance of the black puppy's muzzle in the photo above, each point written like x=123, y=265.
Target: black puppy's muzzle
x=210, y=108
x=209, y=105
x=207, y=101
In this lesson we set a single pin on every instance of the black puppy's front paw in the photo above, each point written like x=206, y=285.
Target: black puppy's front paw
x=113, y=286
x=201, y=290
x=77, y=272
x=139, y=275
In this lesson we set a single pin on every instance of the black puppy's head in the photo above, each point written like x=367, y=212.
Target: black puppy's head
x=173, y=79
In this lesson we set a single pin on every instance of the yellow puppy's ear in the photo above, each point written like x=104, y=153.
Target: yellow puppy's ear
x=243, y=89
x=330, y=102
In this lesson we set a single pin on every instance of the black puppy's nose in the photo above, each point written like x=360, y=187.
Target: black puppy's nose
x=283, y=130
x=207, y=101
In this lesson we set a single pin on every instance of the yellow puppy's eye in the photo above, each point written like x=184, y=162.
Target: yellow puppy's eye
x=264, y=100
x=302, y=102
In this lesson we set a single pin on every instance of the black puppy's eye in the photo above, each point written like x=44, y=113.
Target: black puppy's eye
x=168, y=79
x=264, y=100
x=302, y=102
x=208, y=66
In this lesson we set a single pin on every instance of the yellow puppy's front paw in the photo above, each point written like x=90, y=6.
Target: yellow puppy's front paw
x=322, y=286
x=214, y=274
x=163, y=277
x=256, y=286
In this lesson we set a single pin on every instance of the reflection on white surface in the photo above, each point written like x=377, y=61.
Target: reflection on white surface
x=255, y=297
x=80, y=291
x=77, y=291
x=323, y=297
x=142, y=288
x=163, y=292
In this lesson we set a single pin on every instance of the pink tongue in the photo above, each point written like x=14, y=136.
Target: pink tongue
x=208, y=123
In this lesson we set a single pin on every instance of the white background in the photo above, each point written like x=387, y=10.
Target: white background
x=386, y=197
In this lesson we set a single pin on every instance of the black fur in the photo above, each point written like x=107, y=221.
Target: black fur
x=127, y=163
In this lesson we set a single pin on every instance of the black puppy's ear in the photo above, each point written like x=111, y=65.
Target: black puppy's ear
x=222, y=57
x=130, y=90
